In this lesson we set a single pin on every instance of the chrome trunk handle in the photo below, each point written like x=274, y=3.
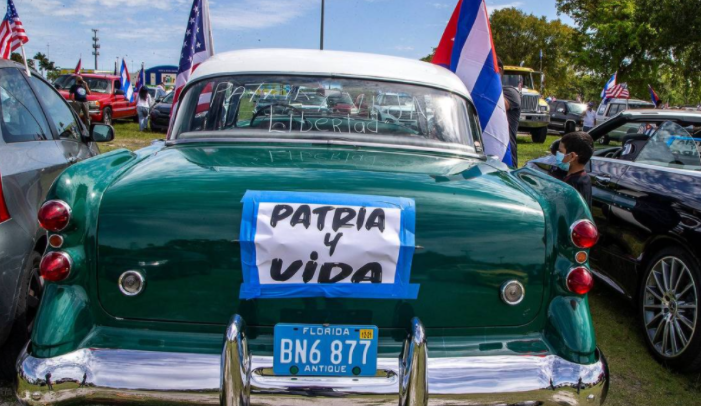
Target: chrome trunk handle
x=413, y=367
x=235, y=385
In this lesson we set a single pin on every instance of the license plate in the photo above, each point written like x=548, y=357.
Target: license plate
x=315, y=349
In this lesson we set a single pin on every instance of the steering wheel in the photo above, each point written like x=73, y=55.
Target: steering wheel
x=270, y=106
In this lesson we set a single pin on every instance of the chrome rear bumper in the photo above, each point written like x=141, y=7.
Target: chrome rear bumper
x=92, y=376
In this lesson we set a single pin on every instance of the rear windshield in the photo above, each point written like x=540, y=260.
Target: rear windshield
x=255, y=105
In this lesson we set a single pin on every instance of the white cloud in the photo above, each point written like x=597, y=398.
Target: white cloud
x=441, y=5
x=494, y=7
x=256, y=14
x=404, y=48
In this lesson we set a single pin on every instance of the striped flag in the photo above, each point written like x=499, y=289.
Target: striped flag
x=653, y=95
x=619, y=91
x=125, y=82
x=611, y=83
x=197, y=47
x=467, y=49
x=140, y=80
x=12, y=34
x=79, y=66
x=205, y=99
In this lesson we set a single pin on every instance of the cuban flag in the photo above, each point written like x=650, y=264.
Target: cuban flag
x=198, y=45
x=79, y=66
x=610, y=84
x=653, y=95
x=467, y=49
x=125, y=82
x=140, y=80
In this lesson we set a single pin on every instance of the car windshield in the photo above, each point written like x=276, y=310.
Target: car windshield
x=576, y=108
x=513, y=79
x=97, y=85
x=238, y=107
x=672, y=146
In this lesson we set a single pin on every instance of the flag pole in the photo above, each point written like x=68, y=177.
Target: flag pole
x=26, y=64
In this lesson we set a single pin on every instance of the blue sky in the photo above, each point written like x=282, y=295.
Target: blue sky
x=151, y=31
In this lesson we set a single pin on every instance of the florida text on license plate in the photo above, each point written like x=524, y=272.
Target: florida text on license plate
x=314, y=349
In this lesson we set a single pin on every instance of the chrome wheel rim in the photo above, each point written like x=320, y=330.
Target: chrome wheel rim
x=670, y=304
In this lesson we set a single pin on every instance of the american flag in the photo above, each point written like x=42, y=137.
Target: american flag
x=12, y=34
x=619, y=91
x=205, y=99
x=197, y=47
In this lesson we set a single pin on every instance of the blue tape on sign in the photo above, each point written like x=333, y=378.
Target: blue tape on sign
x=252, y=288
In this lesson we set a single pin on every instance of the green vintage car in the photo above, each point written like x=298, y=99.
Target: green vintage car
x=282, y=256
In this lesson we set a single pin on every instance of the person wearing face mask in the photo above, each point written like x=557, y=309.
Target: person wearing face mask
x=574, y=153
x=555, y=170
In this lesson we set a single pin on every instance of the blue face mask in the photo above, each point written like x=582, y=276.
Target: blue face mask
x=559, y=156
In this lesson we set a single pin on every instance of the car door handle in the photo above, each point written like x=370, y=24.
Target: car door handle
x=604, y=180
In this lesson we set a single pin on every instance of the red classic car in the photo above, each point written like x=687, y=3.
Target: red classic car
x=106, y=100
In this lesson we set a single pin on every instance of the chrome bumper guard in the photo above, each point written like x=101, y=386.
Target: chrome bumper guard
x=236, y=378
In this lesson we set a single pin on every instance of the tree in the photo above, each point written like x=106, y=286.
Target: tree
x=656, y=42
x=47, y=66
x=18, y=58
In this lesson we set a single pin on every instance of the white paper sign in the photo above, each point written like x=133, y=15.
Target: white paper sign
x=315, y=243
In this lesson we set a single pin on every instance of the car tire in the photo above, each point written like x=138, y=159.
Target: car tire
x=605, y=140
x=27, y=306
x=670, y=286
x=538, y=135
x=570, y=127
x=107, y=116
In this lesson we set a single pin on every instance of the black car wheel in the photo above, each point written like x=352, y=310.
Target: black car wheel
x=569, y=128
x=27, y=306
x=669, y=308
x=538, y=135
x=107, y=116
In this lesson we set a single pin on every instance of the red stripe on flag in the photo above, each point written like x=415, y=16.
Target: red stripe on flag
x=444, y=51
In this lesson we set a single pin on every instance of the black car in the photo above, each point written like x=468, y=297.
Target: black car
x=160, y=113
x=566, y=116
x=647, y=206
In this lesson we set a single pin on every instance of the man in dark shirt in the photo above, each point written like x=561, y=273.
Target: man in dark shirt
x=512, y=103
x=79, y=94
x=574, y=153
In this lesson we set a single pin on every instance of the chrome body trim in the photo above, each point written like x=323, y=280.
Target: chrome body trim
x=112, y=376
x=235, y=383
x=413, y=371
x=503, y=292
x=138, y=275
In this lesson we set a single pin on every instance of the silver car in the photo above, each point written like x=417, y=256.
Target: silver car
x=40, y=135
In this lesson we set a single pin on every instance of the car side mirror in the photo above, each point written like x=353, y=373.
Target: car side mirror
x=119, y=92
x=101, y=133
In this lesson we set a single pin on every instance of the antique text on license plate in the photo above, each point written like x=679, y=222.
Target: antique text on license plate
x=322, y=350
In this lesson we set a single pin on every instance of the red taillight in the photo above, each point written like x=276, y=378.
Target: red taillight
x=584, y=234
x=580, y=281
x=54, y=215
x=4, y=213
x=55, y=266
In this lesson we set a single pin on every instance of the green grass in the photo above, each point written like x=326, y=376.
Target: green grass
x=636, y=378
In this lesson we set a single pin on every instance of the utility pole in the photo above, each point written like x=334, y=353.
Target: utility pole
x=95, y=45
x=321, y=42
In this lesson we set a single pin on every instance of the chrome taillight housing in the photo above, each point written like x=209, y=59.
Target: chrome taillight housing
x=584, y=234
x=55, y=266
x=54, y=215
x=580, y=280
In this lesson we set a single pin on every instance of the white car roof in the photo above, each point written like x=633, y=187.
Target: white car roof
x=328, y=63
